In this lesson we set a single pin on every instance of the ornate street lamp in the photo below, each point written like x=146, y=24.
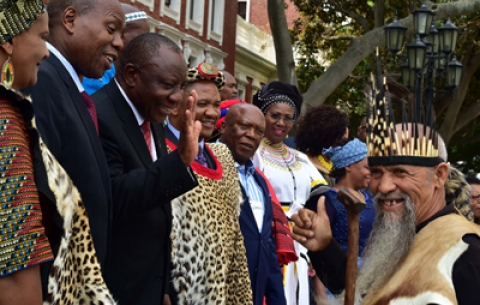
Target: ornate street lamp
x=394, y=34
x=448, y=37
x=430, y=50
x=406, y=74
x=454, y=73
x=440, y=63
x=422, y=20
x=433, y=38
x=417, y=52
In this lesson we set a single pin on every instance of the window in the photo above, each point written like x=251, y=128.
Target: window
x=171, y=8
x=217, y=12
x=244, y=9
x=212, y=25
x=194, y=16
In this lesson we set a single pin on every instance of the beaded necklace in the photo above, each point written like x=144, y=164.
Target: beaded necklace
x=282, y=157
x=327, y=164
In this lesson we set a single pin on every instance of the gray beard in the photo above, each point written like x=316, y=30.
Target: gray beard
x=388, y=245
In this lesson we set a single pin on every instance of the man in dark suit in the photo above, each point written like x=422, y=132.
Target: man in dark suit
x=242, y=131
x=85, y=37
x=144, y=177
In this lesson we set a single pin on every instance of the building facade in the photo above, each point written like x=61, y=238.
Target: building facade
x=202, y=28
x=232, y=34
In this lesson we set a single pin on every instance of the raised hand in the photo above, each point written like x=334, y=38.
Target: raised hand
x=312, y=229
x=189, y=131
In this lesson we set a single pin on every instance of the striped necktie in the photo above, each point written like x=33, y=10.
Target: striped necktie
x=201, y=157
x=147, y=134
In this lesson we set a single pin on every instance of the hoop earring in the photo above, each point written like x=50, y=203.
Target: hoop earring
x=8, y=73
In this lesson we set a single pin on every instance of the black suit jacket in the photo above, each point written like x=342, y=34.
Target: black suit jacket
x=265, y=272
x=67, y=128
x=138, y=268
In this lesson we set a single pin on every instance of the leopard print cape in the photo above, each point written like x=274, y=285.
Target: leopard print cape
x=75, y=277
x=208, y=253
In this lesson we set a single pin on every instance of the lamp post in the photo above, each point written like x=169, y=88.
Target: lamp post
x=430, y=51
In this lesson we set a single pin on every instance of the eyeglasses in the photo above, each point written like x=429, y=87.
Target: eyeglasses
x=278, y=117
x=475, y=197
x=362, y=127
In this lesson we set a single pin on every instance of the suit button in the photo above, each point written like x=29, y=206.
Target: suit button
x=261, y=241
x=256, y=270
x=159, y=278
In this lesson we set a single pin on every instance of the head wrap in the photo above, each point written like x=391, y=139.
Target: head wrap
x=224, y=106
x=350, y=153
x=206, y=71
x=131, y=17
x=17, y=16
x=278, y=92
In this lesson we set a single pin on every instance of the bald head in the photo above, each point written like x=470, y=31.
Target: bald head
x=242, y=131
x=229, y=91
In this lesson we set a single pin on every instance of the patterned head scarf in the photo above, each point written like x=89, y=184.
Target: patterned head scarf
x=278, y=92
x=343, y=156
x=17, y=16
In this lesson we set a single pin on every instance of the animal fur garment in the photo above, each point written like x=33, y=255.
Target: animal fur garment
x=75, y=277
x=208, y=253
x=425, y=276
x=457, y=192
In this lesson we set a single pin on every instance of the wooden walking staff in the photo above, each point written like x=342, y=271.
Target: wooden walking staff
x=354, y=203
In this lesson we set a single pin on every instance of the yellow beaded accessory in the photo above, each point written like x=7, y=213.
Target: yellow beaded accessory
x=18, y=15
x=327, y=164
x=7, y=73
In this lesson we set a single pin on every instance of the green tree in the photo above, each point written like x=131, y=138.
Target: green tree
x=345, y=34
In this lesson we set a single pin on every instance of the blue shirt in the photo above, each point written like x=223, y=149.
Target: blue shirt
x=253, y=191
x=91, y=85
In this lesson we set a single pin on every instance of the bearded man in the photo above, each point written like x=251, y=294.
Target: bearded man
x=422, y=249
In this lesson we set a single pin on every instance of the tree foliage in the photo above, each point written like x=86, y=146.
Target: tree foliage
x=329, y=29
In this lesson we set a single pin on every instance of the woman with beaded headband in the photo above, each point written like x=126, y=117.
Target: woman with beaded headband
x=24, y=245
x=289, y=171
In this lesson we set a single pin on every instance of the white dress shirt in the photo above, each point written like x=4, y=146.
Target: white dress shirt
x=139, y=117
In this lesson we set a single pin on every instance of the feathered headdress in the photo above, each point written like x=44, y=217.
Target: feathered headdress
x=414, y=143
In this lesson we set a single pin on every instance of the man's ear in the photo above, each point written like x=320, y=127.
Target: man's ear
x=70, y=16
x=130, y=75
x=223, y=126
x=440, y=174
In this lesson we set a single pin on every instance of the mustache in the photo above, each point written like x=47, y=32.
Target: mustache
x=391, y=195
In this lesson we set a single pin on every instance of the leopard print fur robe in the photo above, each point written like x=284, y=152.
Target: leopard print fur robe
x=208, y=253
x=75, y=277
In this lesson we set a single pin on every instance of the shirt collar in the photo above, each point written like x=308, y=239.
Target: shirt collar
x=67, y=66
x=138, y=116
x=176, y=133
x=249, y=166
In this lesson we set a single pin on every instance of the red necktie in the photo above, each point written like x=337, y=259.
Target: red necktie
x=147, y=134
x=91, y=108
